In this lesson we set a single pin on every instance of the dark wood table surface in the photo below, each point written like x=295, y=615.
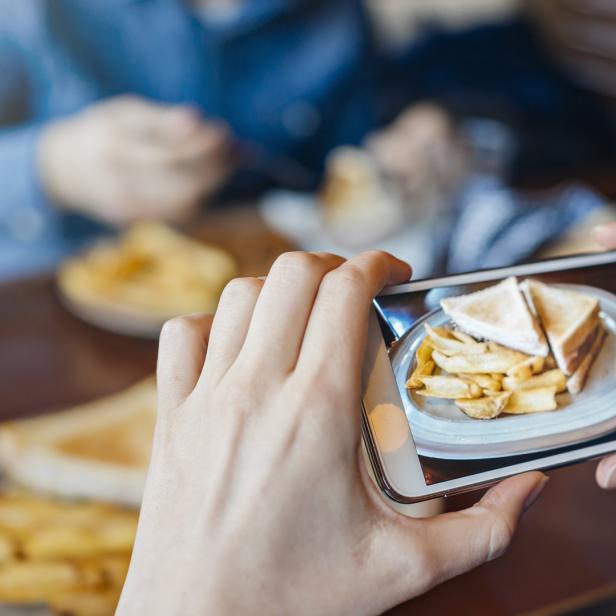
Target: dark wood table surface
x=564, y=552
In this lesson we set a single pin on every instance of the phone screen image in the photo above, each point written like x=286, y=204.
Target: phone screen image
x=500, y=372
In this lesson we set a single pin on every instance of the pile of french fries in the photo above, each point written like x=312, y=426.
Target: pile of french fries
x=150, y=268
x=484, y=379
x=71, y=556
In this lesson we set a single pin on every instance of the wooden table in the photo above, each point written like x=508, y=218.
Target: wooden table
x=566, y=545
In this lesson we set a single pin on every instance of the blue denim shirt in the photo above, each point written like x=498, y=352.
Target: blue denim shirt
x=269, y=72
x=290, y=74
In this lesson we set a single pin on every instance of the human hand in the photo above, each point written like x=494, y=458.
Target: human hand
x=606, y=235
x=580, y=33
x=257, y=500
x=606, y=471
x=127, y=159
x=421, y=151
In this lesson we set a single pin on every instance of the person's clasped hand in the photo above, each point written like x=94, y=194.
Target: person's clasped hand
x=422, y=151
x=128, y=158
x=257, y=500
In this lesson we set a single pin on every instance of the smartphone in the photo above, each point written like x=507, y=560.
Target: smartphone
x=421, y=442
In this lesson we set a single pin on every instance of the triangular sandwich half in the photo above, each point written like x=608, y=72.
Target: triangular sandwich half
x=569, y=319
x=575, y=382
x=99, y=450
x=499, y=313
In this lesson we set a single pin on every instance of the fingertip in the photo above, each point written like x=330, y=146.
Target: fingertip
x=516, y=494
x=402, y=272
x=606, y=473
x=398, y=270
x=606, y=235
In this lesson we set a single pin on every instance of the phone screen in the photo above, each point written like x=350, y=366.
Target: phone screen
x=501, y=372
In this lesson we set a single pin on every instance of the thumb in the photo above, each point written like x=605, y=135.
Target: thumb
x=484, y=531
x=606, y=473
x=453, y=543
x=606, y=235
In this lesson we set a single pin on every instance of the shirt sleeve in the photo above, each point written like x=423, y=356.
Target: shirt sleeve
x=25, y=211
x=30, y=236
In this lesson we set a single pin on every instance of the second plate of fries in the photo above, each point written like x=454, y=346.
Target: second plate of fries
x=471, y=398
x=134, y=283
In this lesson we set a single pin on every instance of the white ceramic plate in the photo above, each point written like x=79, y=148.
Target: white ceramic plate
x=441, y=430
x=114, y=318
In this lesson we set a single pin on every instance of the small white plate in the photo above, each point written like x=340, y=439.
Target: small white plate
x=441, y=430
x=114, y=318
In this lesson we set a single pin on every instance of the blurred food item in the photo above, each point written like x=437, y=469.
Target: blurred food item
x=360, y=206
x=485, y=379
x=405, y=174
x=150, y=274
x=83, y=572
x=98, y=450
x=87, y=602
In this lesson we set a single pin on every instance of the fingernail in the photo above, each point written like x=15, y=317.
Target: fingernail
x=609, y=481
x=534, y=495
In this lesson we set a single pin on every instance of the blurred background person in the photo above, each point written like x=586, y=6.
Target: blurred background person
x=148, y=109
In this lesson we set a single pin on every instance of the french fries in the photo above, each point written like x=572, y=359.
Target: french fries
x=484, y=379
x=487, y=407
x=462, y=337
x=551, y=378
x=514, y=356
x=526, y=368
x=72, y=556
x=114, y=535
x=151, y=270
x=475, y=364
x=449, y=387
x=532, y=401
x=425, y=365
x=451, y=346
x=86, y=602
x=36, y=582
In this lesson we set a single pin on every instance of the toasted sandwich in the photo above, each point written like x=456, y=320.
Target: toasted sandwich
x=575, y=382
x=569, y=319
x=500, y=314
x=99, y=450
